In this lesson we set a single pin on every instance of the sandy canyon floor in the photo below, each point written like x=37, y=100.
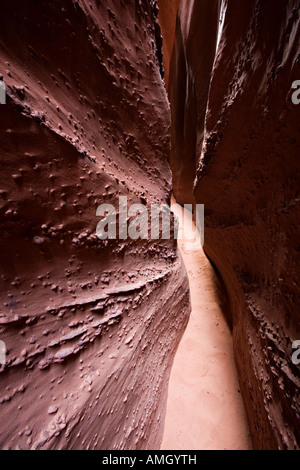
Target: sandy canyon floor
x=205, y=409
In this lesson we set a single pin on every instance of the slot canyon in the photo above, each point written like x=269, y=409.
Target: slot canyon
x=141, y=344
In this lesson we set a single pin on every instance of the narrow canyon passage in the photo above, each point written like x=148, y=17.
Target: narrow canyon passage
x=205, y=408
x=106, y=109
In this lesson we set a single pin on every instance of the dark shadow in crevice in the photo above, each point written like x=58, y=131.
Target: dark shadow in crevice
x=222, y=294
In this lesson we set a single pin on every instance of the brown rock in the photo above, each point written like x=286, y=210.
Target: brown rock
x=247, y=175
x=102, y=132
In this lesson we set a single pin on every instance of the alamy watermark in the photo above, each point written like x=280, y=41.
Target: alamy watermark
x=296, y=354
x=2, y=92
x=296, y=95
x=140, y=222
x=2, y=355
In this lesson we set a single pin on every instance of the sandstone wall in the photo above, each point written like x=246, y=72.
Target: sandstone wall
x=90, y=326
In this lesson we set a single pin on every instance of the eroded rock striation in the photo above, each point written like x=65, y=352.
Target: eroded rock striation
x=235, y=149
x=90, y=326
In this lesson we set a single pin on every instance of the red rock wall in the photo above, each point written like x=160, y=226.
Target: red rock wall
x=195, y=31
x=248, y=179
x=90, y=326
x=167, y=20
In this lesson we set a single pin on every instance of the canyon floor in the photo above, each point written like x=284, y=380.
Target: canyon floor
x=205, y=410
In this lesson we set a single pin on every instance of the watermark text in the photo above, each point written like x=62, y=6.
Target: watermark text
x=155, y=222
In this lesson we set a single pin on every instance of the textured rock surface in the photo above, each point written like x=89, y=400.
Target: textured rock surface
x=167, y=20
x=196, y=30
x=248, y=179
x=90, y=326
